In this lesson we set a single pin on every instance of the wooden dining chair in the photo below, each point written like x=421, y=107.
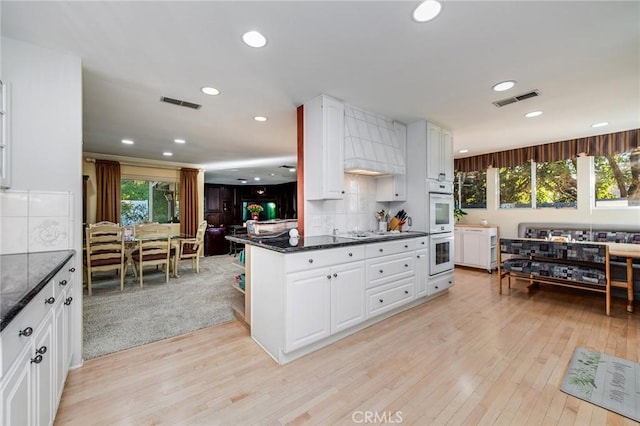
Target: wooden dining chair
x=192, y=248
x=153, y=248
x=104, y=251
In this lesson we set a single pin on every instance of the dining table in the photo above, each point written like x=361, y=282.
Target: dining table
x=131, y=241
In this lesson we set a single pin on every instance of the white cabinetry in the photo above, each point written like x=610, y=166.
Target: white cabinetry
x=5, y=149
x=422, y=272
x=36, y=354
x=439, y=153
x=323, y=149
x=325, y=297
x=391, y=188
x=476, y=247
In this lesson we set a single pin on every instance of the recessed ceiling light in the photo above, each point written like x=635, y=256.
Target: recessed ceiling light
x=243, y=181
x=167, y=154
x=427, y=10
x=260, y=118
x=463, y=151
x=254, y=39
x=292, y=169
x=256, y=178
x=533, y=114
x=272, y=174
x=604, y=123
x=127, y=141
x=210, y=91
x=504, y=85
x=179, y=141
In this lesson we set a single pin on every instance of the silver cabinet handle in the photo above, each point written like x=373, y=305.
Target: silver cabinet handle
x=41, y=350
x=50, y=301
x=26, y=332
x=72, y=269
x=310, y=260
x=36, y=360
x=329, y=276
x=68, y=300
x=63, y=282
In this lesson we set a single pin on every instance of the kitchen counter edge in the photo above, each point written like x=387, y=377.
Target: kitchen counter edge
x=15, y=310
x=321, y=242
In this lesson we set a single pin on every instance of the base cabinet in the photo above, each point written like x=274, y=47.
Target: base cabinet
x=347, y=296
x=422, y=272
x=41, y=340
x=476, y=247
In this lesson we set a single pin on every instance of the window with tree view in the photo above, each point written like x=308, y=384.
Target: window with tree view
x=555, y=185
x=618, y=179
x=149, y=201
x=470, y=190
x=515, y=186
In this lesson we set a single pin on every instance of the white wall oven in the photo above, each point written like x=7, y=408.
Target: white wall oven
x=440, y=196
x=442, y=252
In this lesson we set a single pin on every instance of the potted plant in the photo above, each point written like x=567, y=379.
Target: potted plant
x=255, y=210
x=458, y=213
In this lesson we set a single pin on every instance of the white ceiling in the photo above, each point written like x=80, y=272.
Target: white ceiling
x=583, y=57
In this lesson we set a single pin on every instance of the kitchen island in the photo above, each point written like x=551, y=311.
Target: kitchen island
x=306, y=293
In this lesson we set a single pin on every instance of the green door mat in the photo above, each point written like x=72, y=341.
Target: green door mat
x=610, y=382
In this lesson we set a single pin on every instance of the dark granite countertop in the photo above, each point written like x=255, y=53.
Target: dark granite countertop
x=284, y=244
x=23, y=276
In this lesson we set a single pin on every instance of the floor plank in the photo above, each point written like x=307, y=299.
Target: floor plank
x=471, y=356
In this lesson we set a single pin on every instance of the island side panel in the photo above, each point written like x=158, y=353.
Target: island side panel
x=267, y=299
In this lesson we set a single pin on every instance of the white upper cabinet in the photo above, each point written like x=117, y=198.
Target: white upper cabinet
x=323, y=149
x=439, y=153
x=5, y=164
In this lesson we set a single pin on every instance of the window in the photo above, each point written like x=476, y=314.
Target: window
x=149, y=201
x=515, y=186
x=618, y=179
x=470, y=190
x=556, y=184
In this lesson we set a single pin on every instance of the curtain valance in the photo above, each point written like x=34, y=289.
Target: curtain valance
x=608, y=144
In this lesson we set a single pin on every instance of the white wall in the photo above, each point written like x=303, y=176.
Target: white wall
x=508, y=219
x=45, y=115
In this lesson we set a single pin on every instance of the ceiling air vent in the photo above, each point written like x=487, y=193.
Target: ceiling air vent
x=180, y=103
x=517, y=98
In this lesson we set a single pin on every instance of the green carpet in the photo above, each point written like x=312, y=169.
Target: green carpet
x=115, y=320
x=604, y=380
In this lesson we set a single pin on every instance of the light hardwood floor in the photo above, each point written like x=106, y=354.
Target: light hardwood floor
x=469, y=357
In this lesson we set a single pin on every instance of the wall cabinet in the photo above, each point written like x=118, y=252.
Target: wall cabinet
x=391, y=188
x=476, y=247
x=37, y=350
x=324, y=149
x=439, y=153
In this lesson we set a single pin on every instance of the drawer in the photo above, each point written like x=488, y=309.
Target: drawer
x=381, y=268
x=439, y=284
x=319, y=258
x=422, y=243
x=390, y=296
x=390, y=247
x=30, y=317
x=63, y=279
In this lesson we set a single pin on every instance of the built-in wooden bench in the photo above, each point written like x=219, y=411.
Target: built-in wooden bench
x=582, y=265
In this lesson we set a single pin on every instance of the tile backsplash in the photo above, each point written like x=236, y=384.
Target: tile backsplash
x=356, y=210
x=34, y=221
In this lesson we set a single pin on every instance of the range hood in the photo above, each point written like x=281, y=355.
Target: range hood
x=373, y=145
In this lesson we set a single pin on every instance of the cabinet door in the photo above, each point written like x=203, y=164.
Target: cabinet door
x=347, y=296
x=391, y=188
x=422, y=272
x=308, y=309
x=446, y=154
x=17, y=403
x=333, y=134
x=43, y=366
x=473, y=253
x=434, y=166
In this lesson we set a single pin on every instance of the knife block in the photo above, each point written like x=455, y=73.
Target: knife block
x=394, y=224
